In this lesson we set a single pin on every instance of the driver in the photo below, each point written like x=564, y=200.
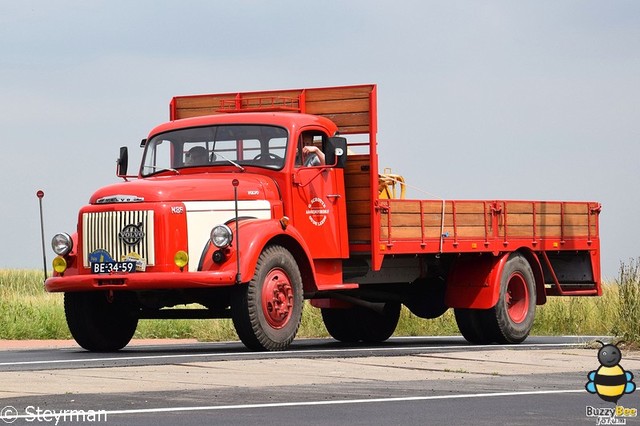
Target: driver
x=311, y=154
x=196, y=156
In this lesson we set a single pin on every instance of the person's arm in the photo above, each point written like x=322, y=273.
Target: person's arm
x=307, y=150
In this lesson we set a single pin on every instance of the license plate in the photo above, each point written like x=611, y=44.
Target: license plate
x=112, y=267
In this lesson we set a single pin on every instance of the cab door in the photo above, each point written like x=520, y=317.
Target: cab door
x=319, y=209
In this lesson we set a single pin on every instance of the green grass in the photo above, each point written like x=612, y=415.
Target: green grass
x=28, y=312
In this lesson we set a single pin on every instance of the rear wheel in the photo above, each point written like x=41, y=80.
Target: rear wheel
x=267, y=311
x=379, y=326
x=100, y=321
x=362, y=324
x=511, y=319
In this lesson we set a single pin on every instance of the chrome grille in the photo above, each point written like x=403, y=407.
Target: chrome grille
x=102, y=231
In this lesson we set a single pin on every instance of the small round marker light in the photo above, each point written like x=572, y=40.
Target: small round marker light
x=181, y=259
x=59, y=264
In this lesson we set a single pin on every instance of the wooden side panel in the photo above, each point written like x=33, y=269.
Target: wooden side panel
x=197, y=105
x=487, y=220
x=348, y=107
x=546, y=220
x=358, y=196
x=419, y=219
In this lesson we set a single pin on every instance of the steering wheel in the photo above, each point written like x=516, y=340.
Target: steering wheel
x=270, y=156
x=312, y=160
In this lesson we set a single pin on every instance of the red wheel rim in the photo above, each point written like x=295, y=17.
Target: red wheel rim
x=277, y=298
x=517, y=298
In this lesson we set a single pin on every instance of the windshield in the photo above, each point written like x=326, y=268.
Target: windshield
x=238, y=145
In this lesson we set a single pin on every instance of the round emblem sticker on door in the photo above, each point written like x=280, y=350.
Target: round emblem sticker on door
x=317, y=211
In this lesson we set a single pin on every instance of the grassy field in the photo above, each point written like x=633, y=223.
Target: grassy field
x=28, y=312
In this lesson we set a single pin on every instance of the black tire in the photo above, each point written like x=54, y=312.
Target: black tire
x=471, y=323
x=341, y=324
x=267, y=311
x=425, y=298
x=362, y=324
x=377, y=327
x=512, y=318
x=99, y=322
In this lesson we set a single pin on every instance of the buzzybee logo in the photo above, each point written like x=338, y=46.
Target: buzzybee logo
x=610, y=382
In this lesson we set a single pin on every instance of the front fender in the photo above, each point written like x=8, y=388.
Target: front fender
x=251, y=237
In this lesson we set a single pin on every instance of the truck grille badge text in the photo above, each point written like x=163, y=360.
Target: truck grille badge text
x=131, y=234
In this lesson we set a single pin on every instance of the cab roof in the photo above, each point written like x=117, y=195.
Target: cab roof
x=287, y=120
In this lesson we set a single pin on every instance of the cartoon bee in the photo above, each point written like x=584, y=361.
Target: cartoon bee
x=610, y=381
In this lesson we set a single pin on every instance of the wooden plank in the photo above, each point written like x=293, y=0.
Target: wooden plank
x=359, y=221
x=359, y=207
x=357, y=194
x=349, y=121
x=573, y=208
x=357, y=181
x=359, y=235
x=551, y=207
x=435, y=206
x=339, y=107
x=547, y=231
x=409, y=219
x=547, y=219
x=333, y=93
x=414, y=233
x=206, y=101
x=188, y=113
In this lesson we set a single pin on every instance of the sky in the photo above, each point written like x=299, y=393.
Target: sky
x=487, y=99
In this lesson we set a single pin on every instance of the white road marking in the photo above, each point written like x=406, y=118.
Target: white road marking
x=293, y=352
x=341, y=402
x=304, y=403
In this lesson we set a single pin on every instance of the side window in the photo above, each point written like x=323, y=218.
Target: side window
x=310, y=150
x=158, y=157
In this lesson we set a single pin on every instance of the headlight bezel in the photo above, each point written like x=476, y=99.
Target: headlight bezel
x=221, y=236
x=62, y=244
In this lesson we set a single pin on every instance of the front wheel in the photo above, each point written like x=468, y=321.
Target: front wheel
x=267, y=311
x=100, y=321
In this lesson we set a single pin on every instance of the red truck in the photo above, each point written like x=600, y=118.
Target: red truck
x=246, y=204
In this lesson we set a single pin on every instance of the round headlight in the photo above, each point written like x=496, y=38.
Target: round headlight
x=61, y=244
x=221, y=236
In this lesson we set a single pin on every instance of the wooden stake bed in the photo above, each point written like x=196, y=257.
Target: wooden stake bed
x=455, y=226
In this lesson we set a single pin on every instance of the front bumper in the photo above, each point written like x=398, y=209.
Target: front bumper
x=140, y=281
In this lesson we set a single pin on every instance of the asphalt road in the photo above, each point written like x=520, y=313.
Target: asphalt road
x=406, y=381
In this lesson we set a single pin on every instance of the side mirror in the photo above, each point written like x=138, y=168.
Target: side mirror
x=336, y=152
x=123, y=162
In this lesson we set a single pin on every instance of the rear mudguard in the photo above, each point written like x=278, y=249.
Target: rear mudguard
x=474, y=281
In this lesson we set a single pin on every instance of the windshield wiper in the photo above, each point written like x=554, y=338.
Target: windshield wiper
x=232, y=162
x=157, y=169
